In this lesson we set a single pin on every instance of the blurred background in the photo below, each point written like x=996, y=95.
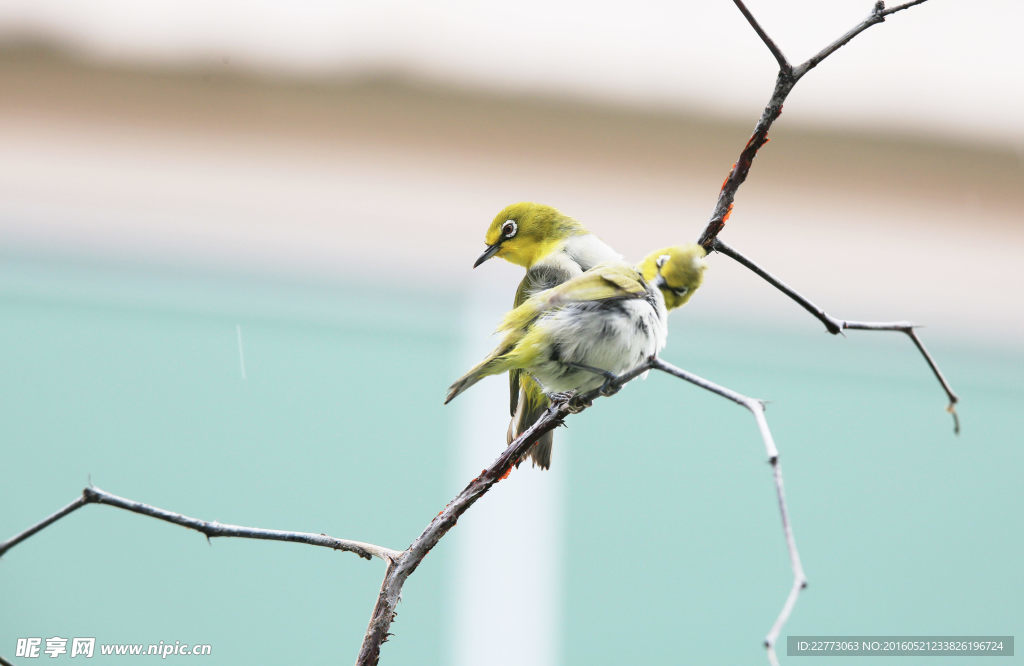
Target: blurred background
x=235, y=250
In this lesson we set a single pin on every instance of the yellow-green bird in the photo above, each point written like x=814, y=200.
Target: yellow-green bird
x=553, y=248
x=580, y=334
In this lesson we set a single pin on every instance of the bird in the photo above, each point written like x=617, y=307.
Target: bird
x=581, y=334
x=553, y=248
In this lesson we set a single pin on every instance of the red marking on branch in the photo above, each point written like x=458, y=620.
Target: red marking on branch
x=725, y=218
x=729, y=175
x=505, y=475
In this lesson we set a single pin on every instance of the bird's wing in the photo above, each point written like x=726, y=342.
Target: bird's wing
x=520, y=384
x=526, y=397
x=601, y=283
x=497, y=362
x=515, y=377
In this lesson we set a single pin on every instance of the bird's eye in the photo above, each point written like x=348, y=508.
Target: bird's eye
x=661, y=260
x=509, y=229
x=681, y=291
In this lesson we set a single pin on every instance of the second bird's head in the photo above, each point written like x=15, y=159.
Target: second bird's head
x=677, y=271
x=526, y=232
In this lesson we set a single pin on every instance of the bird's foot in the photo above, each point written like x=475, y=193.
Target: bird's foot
x=572, y=400
x=561, y=396
x=578, y=402
x=610, y=386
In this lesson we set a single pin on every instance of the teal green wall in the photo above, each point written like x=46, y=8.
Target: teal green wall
x=903, y=527
x=674, y=552
x=133, y=377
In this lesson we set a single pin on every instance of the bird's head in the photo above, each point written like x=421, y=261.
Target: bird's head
x=676, y=271
x=526, y=232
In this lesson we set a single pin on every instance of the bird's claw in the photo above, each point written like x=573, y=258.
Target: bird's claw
x=610, y=387
x=573, y=401
x=578, y=403
x=560, y=397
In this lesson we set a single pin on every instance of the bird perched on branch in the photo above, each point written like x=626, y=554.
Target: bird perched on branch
x=580, y=335
x=553, y=248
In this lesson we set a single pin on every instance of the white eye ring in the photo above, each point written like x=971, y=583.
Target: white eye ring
x=680, y=291
x=661, y=260
x=509, y=229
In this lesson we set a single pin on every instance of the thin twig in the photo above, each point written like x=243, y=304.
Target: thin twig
x=833, y=325
x=93, y=495
x=877, y=16
x=836, y=326
x=42, y=524
x=910, y=330
x=756, y=407
x=772, y=46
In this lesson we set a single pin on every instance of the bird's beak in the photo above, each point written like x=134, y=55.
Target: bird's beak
x=488, y=253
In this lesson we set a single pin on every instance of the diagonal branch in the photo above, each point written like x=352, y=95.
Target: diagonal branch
x=408, y=560
x=768, y=41
x=756, y=407
x=41, y=525
x=877, y=16
x=784, y=83
x=836, y=326
x=93, y=495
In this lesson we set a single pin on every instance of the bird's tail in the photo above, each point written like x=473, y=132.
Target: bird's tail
x=496, y=363
x=532, y=403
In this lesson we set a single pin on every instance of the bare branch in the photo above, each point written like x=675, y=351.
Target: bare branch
x=403, y=566
x=836, y=326
x=784, y=83
x=408, y=560
x=42, y=524
x=877, y=15
x=723, y=207
x=833, y=326
x=756, y=408
x=390, y=590
x=93, y=495
x=772, y=46
x=908, y=328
